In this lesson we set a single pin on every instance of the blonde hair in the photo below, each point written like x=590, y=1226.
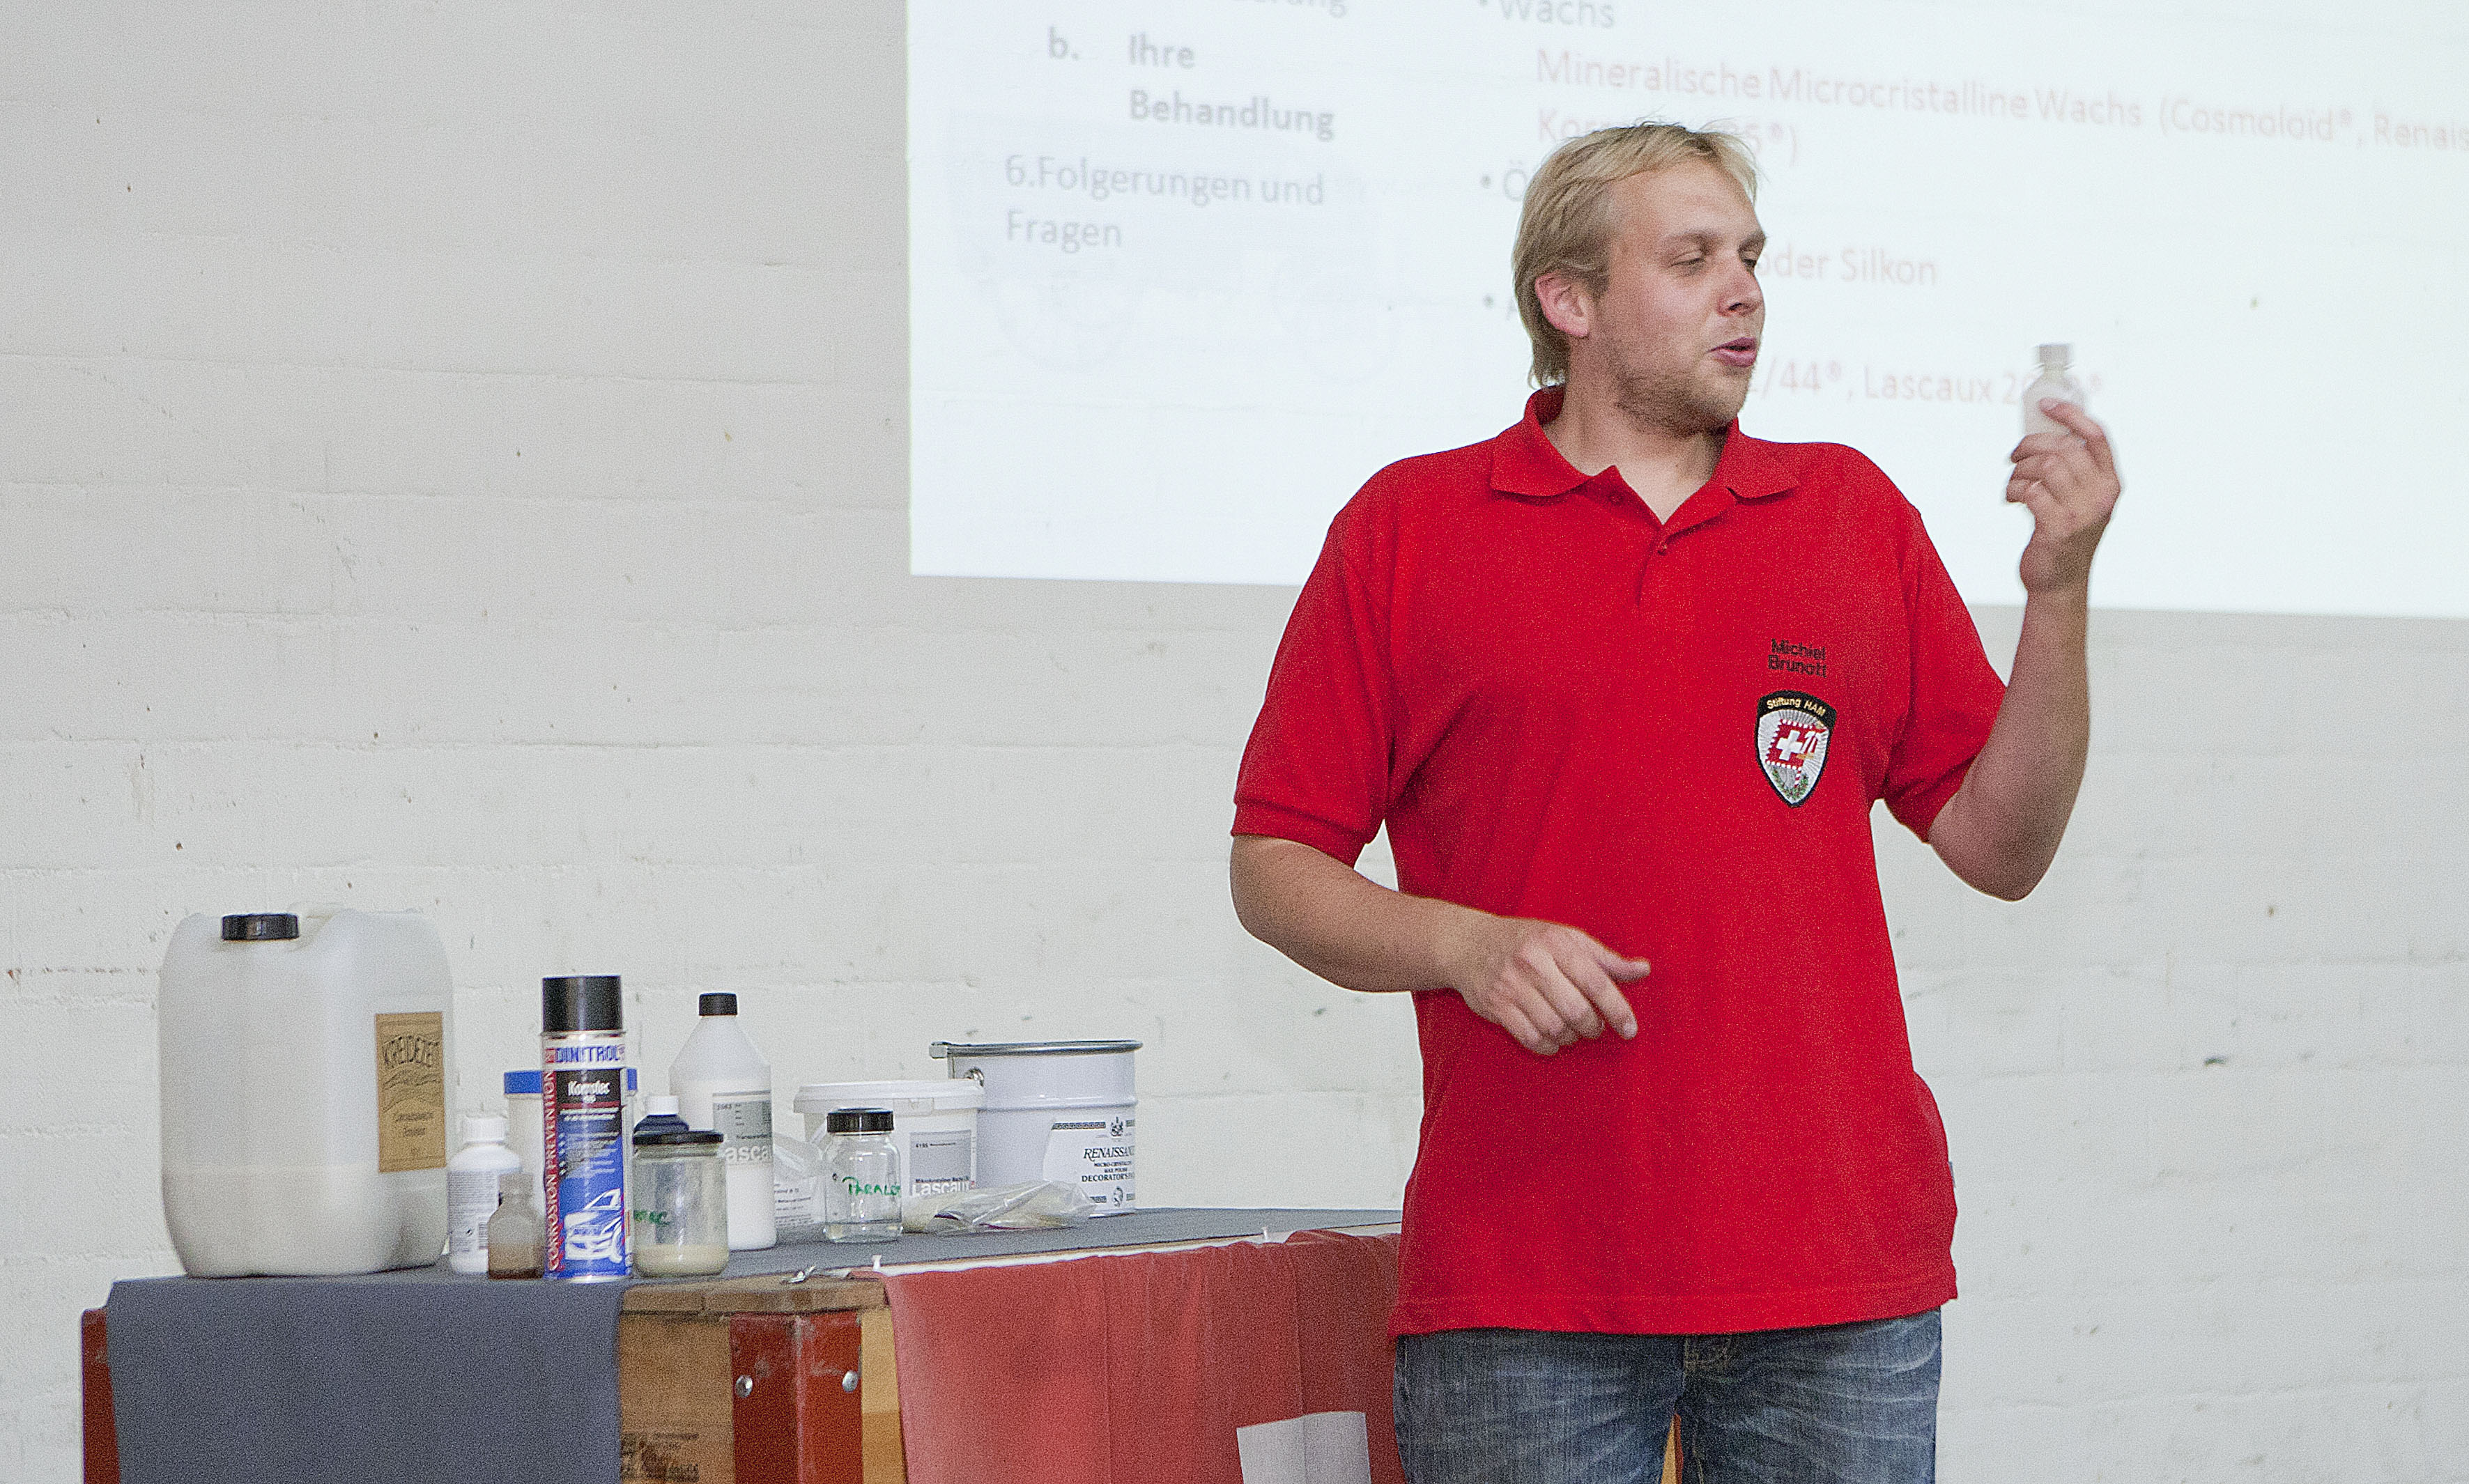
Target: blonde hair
x=1569, y=218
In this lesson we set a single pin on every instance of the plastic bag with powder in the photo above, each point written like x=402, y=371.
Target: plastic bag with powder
x=1033, y=1206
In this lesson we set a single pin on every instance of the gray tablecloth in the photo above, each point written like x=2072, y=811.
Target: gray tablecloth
x=422, y=1376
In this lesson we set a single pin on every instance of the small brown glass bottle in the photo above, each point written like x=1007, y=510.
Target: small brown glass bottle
x=514, y=1228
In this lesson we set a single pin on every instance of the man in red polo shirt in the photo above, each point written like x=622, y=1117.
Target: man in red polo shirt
x=1623, y=684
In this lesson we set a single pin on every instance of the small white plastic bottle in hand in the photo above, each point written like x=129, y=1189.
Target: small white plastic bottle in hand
x=472, y=1191
x=2052, y=381
x=723, y=1083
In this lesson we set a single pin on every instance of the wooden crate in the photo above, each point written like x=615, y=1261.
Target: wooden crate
x=757, y=1380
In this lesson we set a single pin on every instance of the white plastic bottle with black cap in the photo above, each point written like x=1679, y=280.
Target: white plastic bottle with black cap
x=722, y=1082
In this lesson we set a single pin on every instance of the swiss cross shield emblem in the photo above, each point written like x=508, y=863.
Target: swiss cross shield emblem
x=1793, y=729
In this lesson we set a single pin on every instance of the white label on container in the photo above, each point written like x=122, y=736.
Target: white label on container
x=585, y=1126
x=797, y=1202
x=470, y=1199
x=411, y=1091
x=744, y=1124
x=939, y=1162
x=1097, y=1152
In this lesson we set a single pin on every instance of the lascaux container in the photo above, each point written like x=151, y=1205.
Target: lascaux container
x=723, y=1084
x=304, y=1059
x=934, y=1125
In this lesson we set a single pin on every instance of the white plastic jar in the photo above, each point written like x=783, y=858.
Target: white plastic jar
x=934, y=1125
x=305, y=1065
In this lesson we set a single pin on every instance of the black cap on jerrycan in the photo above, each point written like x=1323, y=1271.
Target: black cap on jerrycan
x=260, y=928
x=718, y=1003
x=581, y=1002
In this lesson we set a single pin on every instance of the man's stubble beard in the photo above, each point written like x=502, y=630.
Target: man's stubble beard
x=1659, y=401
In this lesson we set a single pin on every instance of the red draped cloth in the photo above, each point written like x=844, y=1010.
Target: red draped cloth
x=1140, y=1368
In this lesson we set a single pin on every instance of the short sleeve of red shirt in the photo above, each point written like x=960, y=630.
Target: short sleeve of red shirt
x=1955, y=697
x=1317, y=768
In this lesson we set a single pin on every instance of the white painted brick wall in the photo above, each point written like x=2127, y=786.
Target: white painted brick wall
x=453, y=456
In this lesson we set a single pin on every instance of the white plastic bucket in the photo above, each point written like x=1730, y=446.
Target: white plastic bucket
x=1055, y=1110
x=934, y=1125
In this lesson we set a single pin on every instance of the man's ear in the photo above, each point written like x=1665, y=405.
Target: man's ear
x=1566, y=304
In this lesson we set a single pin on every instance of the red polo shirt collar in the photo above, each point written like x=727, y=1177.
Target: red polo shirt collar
x=1524, y=462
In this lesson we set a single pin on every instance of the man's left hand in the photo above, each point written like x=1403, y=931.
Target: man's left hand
x=2069, y=483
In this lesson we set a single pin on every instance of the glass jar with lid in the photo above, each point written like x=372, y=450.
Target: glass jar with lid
x=862, y=1172
x=680, y=1206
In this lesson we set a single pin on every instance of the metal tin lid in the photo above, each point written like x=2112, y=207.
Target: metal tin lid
x=1033, y=1048
x=858, y=1119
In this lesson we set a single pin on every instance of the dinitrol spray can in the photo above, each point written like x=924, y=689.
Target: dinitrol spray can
x=583, y=1127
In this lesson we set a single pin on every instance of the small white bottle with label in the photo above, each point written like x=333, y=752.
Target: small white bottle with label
x=2052, y=381
x=723, y=1083
x=472, y=1191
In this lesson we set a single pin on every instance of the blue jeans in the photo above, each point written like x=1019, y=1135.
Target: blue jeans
x=1840, y=1404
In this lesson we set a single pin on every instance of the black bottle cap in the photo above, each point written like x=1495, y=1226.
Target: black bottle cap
x=581, y=1002
x=858, y=1119
x=663, y=1138
x=260, y=928
x=720, y=1004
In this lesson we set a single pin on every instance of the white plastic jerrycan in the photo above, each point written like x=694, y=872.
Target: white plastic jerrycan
x=305, y=1068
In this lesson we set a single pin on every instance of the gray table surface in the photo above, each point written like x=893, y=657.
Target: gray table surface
x=423, y=1374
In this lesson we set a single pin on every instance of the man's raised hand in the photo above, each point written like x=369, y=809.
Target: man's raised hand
x=2068, y=481
x=1546, y=984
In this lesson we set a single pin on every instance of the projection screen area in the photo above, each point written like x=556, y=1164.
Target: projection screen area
x=1183, y=275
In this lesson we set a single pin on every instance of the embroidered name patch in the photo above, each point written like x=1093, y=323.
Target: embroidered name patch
x=1792, y=728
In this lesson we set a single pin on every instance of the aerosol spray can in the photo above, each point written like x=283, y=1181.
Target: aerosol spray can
x=583, y=1127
